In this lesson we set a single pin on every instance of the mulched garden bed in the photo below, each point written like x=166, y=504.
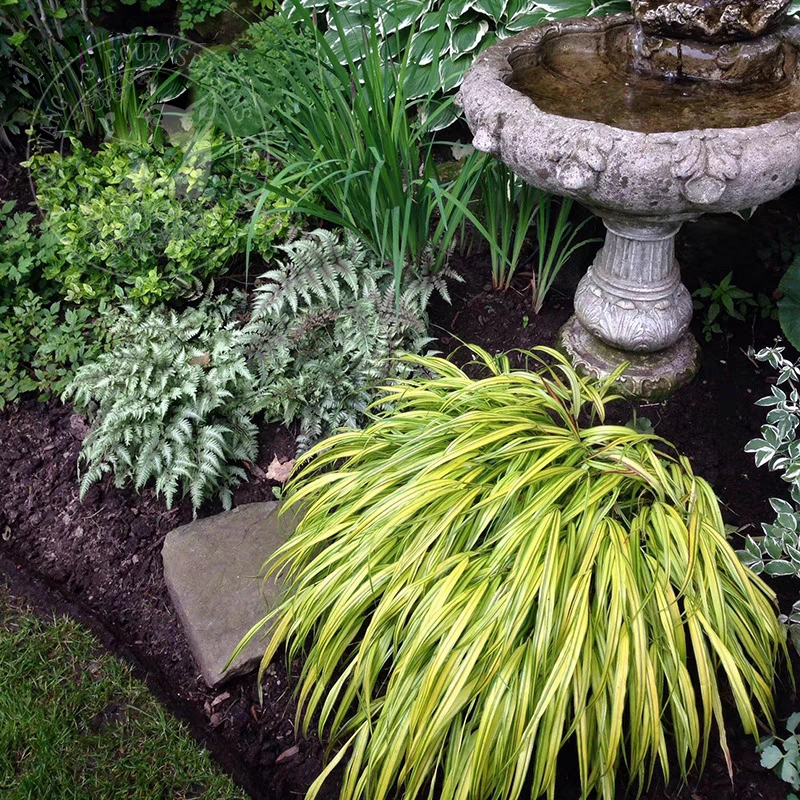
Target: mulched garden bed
x=100, y=558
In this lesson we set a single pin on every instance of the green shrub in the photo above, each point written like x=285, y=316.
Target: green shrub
x=240, y=88
x=172, y=403
x=176, y=395
x=146, y=224
x=42, y=339
x=479, y=578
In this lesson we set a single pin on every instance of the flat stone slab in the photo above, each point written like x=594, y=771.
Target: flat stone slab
x=212, y=569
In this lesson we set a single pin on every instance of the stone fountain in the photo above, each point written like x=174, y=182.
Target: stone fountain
x=649, y=121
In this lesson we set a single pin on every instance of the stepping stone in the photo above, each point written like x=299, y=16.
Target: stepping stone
x=212, y=569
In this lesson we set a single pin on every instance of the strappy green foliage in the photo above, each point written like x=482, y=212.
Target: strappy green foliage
x=479, y=579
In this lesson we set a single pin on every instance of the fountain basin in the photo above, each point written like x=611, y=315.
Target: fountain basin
x=566, y=107
x=579, y=139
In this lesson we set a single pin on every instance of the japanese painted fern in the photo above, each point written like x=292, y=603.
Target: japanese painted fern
x=175, y=398
x=170, y=401
x=324, y=329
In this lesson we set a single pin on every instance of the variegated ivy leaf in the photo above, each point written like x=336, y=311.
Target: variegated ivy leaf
x=779, y=569
x=763, y=451
x=776, y=396
x=781, y=506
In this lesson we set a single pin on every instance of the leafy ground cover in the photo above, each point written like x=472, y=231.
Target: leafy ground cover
x=75, y=723
x=104, y=553
x=134, y=281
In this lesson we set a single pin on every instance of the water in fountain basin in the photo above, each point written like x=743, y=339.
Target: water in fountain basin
x=596, y=76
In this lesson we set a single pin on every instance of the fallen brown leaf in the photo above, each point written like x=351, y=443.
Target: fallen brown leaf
x=288, y=755
x=279, y=472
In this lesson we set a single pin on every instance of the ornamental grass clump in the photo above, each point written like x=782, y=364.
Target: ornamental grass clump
x=484, y=576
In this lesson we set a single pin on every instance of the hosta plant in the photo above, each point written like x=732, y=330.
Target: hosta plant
x=489, y=571
x=444, y=36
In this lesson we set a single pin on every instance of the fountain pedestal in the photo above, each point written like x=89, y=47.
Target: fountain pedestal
x=692, y=107
x=632, y=307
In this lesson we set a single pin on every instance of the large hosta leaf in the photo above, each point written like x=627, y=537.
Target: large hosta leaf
x=399, y=14
x=421, y=81
x=466, y=38
x=429, y=41
x=492, y=8
x=451, y=71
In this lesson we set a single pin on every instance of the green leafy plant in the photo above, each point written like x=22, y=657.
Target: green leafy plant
x=479, y=578
x=324, y=331
x=361, y=149
x=98, y=85
x=726, y=301
x=171, y=403
x=509, y=209
x=444, y=36
x=195, y=12
x=42, y=339
x=177, y=394
x=41, y=345
x=149, y=224
x=239, y=88
x=558, y=239
x=783, y=755
x=23, y=253
x=777, y=552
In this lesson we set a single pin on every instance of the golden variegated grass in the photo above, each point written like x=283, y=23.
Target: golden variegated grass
x=479, y=579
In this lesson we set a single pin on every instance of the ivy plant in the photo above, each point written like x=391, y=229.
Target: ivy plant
x=777, y=551
x=783, y=755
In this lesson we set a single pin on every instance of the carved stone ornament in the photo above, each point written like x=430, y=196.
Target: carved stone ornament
x=578, y=163
x=705, y=163
x=709, y=20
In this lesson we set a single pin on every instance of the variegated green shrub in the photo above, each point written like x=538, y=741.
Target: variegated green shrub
x=777, y=552
x=445, y=35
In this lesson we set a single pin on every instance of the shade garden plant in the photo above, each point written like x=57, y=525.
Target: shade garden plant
x=248, y=248
x=488, y=571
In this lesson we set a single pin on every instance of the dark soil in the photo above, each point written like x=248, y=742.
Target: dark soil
x=100, y=559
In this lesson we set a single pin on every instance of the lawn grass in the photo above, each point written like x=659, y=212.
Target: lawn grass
x=75, y=723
